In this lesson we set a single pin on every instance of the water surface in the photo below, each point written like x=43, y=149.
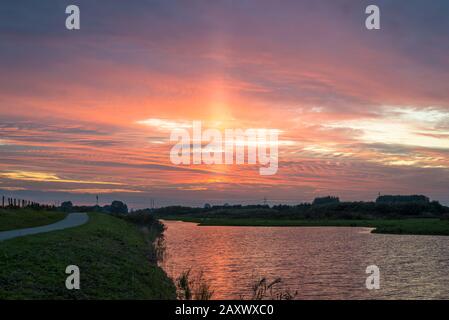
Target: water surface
x=317, y=262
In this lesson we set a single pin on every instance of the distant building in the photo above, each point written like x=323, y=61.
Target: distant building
x=402, y=199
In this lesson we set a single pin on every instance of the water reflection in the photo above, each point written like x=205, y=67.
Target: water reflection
x=320, y=263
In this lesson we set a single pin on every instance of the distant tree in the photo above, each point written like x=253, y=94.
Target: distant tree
x=118, y=207
x=66, y=206
x=326, y=200
x=207, y=206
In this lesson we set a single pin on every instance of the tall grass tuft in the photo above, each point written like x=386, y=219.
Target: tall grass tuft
x=193, y=287
x=264, y=289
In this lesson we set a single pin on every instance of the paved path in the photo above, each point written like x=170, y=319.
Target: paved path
x=72, y=220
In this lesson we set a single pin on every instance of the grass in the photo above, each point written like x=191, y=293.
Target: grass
x=111, y=253
x=417, y=226
x=26, y=218
x=193, y=286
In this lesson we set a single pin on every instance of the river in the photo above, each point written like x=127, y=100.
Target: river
x=315, y=262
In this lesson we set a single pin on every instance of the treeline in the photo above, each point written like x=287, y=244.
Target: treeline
x=330, y=207
x=320, y=208
x=116, y=207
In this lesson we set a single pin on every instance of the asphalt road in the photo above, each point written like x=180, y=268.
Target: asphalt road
x=72, y=220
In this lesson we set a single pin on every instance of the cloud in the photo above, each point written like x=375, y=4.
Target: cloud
x=47, y=177
x=164, y=124
x=359, y=111
x=401, y=125
x=99, y=191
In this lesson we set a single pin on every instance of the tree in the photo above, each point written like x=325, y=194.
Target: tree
x=119, y=207
x=67, y=206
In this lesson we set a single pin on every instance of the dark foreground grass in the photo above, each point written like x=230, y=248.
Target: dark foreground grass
x=26, y=218
x=111, y=253
x=422, y=226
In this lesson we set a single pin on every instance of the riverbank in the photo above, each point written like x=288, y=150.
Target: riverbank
x=112, y=255
x=11, y=219
x=412, y=226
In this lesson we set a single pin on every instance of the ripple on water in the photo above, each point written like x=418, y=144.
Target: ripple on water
x=318, y=262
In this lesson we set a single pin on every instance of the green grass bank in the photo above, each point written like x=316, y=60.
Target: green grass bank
x=411, y=226
x=11, y=219
x=112, y=255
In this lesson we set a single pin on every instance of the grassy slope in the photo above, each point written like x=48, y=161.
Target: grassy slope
x=25, y=218
x=110, y=253
x=398, y=226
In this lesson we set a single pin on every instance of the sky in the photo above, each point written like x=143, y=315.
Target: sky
x=89, y=112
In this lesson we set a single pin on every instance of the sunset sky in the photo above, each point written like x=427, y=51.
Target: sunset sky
x=90, y=112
